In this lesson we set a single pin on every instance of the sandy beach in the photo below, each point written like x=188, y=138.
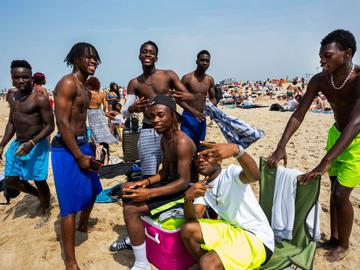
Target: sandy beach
x=23, y=247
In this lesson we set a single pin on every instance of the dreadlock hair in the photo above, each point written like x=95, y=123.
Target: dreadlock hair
x=174, y=127
x=343, y=39
x=152, y=43
x=203, y=52
x=81, y=49
x=93, y=83
x=20, y=64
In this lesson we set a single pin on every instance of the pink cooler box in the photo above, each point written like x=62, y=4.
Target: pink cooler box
x=164, y=248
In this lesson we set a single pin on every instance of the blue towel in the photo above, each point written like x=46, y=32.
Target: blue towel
x=105, y=195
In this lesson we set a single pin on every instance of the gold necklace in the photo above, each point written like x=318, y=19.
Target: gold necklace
x=146, y=82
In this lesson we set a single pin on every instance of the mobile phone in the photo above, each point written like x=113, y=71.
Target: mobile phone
x=95, y=165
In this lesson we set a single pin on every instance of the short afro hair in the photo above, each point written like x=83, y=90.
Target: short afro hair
x=203, y=52
x=343, y=38
x=20, y=64
x=152, y=43
x=93, y=83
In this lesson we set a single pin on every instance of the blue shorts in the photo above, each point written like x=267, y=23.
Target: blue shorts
x=193, y=128
x=75, y=188
x=32, y=166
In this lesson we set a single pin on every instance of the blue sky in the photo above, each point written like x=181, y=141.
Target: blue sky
x=248, y=39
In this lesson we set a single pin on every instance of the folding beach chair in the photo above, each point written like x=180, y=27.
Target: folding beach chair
x=301, y=249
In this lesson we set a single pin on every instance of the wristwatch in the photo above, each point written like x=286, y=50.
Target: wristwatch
x=240, y=153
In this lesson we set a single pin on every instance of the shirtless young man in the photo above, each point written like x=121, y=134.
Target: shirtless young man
x=149, y=84
x=340, y=83
x=201, y=86
x=162, y=189
x=76, y=186
x=32, y=120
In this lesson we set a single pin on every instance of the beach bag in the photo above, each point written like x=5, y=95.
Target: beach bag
x=130, y=137
x=277, y=107
x=164, y=247
x=9, y=193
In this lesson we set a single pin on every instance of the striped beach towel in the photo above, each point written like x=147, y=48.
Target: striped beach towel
x=234, y=129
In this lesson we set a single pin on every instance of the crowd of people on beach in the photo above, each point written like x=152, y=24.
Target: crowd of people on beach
x=222, y=229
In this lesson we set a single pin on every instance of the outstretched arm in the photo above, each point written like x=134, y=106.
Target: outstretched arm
x=183, y=95
x=293, y=124
x=347, y=136
x=220, y=151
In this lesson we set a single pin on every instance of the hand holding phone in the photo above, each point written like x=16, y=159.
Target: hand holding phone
x=95, y=165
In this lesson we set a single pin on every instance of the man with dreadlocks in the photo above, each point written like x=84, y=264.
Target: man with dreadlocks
x=163, y=190
x=339, y=81
x=76, y=186
x=32, y=120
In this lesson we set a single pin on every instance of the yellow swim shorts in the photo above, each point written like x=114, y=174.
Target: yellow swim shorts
x=237, y=249
x=347, y=165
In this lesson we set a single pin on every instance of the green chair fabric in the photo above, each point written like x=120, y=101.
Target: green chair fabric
x=301, y=249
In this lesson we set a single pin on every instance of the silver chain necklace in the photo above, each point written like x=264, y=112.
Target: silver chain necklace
x=345, y=81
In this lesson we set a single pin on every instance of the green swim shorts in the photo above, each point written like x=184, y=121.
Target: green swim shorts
x=347, y=165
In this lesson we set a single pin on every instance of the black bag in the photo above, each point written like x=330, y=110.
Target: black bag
x=130, y=137
x=9, y=193
x=277, y=107
x=132, y=123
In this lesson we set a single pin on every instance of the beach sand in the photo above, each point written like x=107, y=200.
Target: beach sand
x=23, y=247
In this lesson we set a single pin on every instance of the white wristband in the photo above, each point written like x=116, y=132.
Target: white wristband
x=240, y=153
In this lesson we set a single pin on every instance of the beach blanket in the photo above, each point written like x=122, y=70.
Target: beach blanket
x=109, y=195
x=99, y=127
x=234, y=129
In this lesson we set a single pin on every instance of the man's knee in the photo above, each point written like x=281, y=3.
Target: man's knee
x=132, y=211
x=190, y=229
x=210, y=261
x=340, y=194
x=12, y=181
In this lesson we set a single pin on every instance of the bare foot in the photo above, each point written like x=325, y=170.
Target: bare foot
x=336, y=254
x=44, y=220
x=329, y=244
